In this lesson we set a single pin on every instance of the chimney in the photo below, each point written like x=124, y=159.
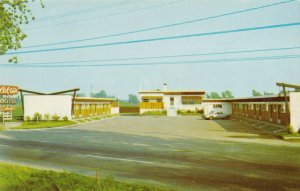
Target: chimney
x=165, y=87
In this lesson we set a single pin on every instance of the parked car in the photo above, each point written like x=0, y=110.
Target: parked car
x=216, y=115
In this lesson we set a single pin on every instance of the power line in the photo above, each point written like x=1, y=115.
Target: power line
x=160, y=38
x=167, y=56
x=109, y=5
x=109, y=15
x=158, y=63
x=164, y=26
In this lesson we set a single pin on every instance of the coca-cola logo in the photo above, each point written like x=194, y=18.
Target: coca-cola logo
x=8, y=90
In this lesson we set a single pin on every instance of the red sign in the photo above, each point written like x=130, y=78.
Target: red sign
x=8, y=90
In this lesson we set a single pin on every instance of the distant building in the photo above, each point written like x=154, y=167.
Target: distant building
x=164, y=100
x=265, y=108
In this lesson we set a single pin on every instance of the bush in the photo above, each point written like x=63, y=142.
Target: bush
x=55, y=117
x=27, y=118
x=37, y=116
x=190, y=112
x=65, y=118
x=157, y=112
x=291, y=129
x=46, y=116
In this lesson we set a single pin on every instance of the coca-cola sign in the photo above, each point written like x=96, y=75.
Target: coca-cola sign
x=8, y=90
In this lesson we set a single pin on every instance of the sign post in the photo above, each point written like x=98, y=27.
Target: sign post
x=7, y=101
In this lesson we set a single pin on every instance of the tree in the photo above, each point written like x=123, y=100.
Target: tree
x=207, y=96
x=256, y=93
x=214, y=95
x=133, y=99
x=227, y=94
x=80, y=94
x=13, y=14
x=268, y=93
x=101, y=94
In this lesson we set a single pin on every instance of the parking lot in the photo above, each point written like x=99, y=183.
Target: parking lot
x=184, y=153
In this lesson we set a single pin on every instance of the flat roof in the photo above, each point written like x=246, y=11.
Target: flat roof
x=178, y=92
x=275, y=98
x=92, y=99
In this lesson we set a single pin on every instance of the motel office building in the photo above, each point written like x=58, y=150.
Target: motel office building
x=273, y=109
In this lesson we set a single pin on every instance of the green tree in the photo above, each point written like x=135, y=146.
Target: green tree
x=80, y=94
x=268, y=93
x=13, y=13
x=214, y=95
x=256, y=93
x=227, y=94
x=102, y=94
x=133, y=99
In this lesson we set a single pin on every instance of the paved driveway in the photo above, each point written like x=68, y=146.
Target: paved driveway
x=185, y=153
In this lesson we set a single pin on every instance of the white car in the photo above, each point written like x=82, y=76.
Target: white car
x=216, y=115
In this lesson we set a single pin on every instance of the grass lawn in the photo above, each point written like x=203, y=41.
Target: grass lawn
x=81, y=120
x=17, y=178
x=44, y=124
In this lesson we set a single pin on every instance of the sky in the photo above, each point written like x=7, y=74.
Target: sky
x=118, y=74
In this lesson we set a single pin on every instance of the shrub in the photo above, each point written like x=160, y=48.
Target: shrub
x=27, y=118
x=37, y=116
x=157, y=112
x=291, y=129
x=65, y=118
x=190, y=112
x=55, y=117
x=46, y=116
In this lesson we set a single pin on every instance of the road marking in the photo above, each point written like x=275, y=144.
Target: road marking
x=4, y=145
x=120, y=159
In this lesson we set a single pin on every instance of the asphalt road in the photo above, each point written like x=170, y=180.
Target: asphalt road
x=184, y=153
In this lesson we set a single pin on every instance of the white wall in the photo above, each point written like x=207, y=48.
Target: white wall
x=178, y=103
x=115, y=110
x=295, y=110
x=226, y=107
x=51, y=104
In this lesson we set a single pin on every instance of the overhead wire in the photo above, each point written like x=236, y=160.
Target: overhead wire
x=158, y=63
x=87, y=10
x=160, y=27
x=165, y=38
x=170, y=56
x=108, y=15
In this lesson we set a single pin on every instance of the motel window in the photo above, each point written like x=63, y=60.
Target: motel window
x=191, y=100
x=217, y=105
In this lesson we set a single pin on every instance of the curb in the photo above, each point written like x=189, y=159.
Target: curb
x=61, y=127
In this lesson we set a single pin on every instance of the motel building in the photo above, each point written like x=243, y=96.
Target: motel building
x=278, y=109
x=62, y=103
